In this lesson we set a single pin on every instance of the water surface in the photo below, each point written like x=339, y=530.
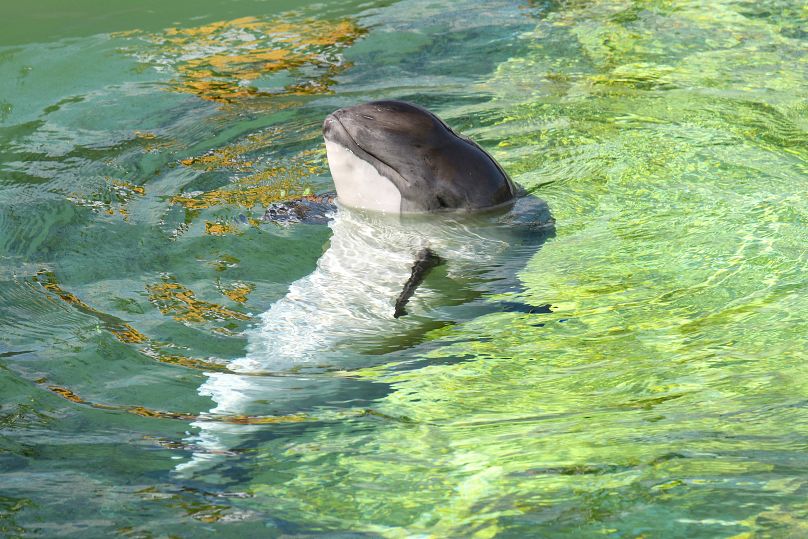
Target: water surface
x=662, y=395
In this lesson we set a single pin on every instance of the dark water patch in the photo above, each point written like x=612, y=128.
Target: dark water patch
x=14, y=353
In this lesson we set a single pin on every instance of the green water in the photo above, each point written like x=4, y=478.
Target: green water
x=665, y=395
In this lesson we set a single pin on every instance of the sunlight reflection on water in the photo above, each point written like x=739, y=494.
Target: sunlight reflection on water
x=660, y=393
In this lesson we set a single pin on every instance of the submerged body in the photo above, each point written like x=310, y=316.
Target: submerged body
x=368, y=278
x=337, y=318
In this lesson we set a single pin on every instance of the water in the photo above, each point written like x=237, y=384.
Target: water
x=662, y=395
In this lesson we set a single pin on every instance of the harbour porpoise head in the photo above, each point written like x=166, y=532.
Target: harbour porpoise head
x=396, y=157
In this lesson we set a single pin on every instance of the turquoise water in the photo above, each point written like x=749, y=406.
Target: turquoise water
x=662, y=395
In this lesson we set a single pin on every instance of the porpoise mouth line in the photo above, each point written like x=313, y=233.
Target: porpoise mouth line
x=377, y=158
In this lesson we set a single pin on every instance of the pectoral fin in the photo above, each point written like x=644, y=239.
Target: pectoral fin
x=426, y=261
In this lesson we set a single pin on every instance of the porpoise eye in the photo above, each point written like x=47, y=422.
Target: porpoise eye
x=368, y=117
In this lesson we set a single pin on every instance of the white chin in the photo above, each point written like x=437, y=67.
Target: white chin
x=358, y=183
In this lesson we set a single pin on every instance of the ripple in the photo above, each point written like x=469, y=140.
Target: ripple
x=660, y=393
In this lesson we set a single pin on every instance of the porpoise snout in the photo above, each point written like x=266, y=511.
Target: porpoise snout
x=330, y=124
x=335, y=130
x=347, y=117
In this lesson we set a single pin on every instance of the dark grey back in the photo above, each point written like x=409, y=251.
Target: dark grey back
x=432, y=166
